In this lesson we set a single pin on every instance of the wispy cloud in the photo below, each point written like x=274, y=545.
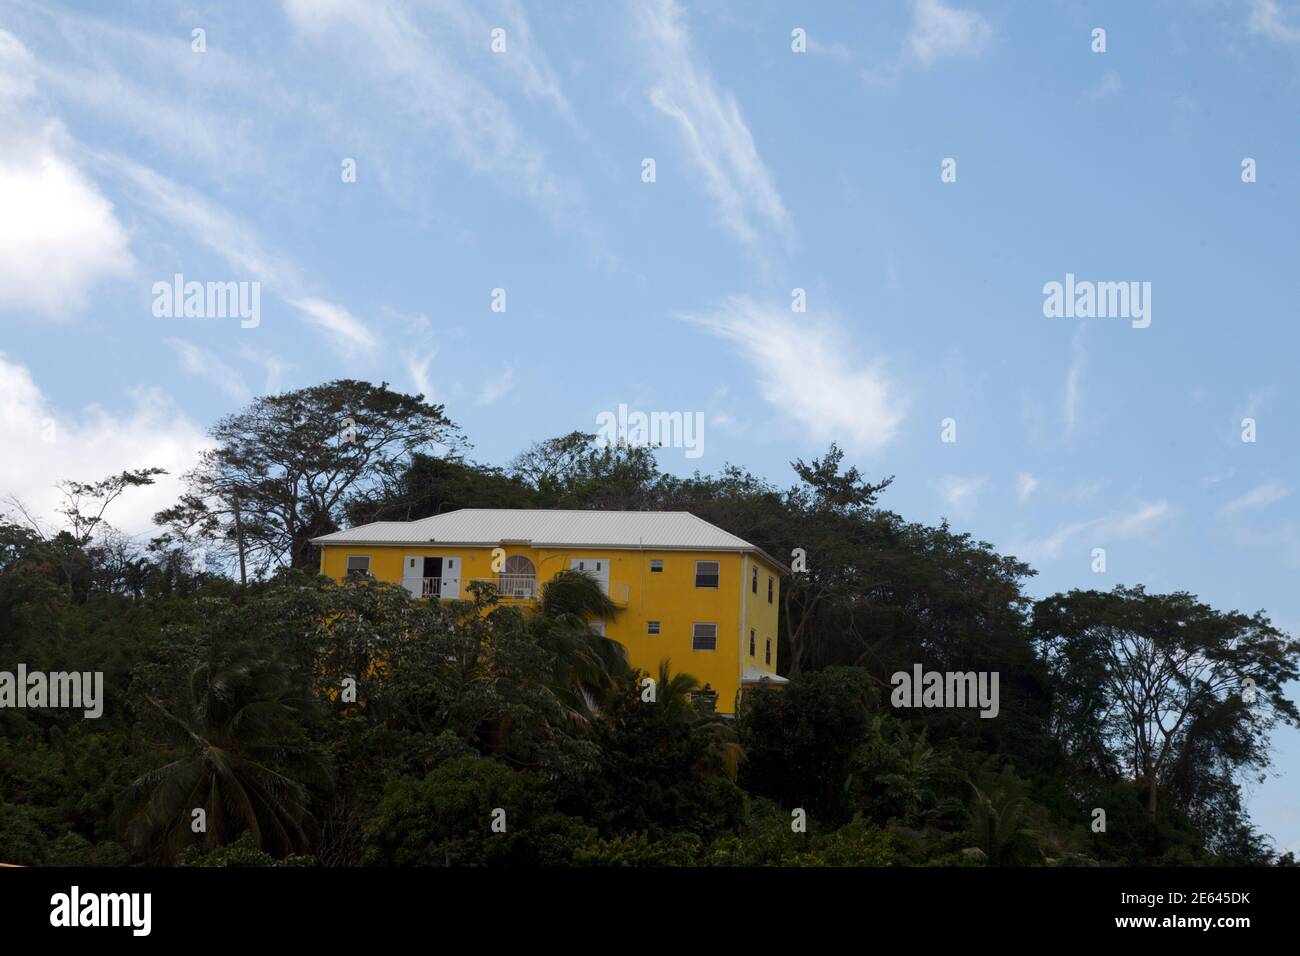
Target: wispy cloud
x=1119, y=526
x=1268, y=18
x=347, y=334
x=716, y=136
x=418, y=369
x=1261, y=496
x=203, y=364
x=493, y=389
x=234, y=241
x=1109, y=85
x=959, y=492
x=1026, y=485
x=806, y=372
x=1074, y=382
x=399, y=64
x=939, y=31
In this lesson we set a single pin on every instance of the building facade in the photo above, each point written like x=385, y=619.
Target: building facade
x=684, y=589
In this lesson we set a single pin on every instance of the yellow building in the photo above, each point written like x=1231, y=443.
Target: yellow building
x=684, y=589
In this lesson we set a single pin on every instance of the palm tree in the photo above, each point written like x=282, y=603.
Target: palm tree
x=995, y=820
x=673, y=692
x=236, y=725
x=587, y=664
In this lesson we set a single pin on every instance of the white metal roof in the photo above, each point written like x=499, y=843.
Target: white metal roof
x=490, y=527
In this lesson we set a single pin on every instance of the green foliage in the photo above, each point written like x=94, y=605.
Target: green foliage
x=799, y=740
x=446, y=819
x=243, y=852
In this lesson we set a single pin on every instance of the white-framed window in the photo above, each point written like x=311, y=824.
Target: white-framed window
x=704, y=637
x=769, y=589
x=768, y=655
x=656, y=566
x=752, y=637
x=598, y=627
x=358, y=564
x=755, y=584
x=652, y=627
x=707, y=574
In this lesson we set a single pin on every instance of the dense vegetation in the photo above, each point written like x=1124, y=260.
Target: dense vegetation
x=317, y=723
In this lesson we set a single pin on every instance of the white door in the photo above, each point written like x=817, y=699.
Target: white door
x=413, y=574
x=597, y=566
x=450, y=578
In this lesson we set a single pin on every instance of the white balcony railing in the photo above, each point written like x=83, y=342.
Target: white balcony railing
x=513, y=587
x=524, y=587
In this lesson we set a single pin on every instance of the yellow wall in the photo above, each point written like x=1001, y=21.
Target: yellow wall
x=669, y=597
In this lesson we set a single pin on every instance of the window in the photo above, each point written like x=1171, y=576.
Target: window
x=656, y=566
x=769, y=589
x=754, y=586
x=751, y=642
x=705, y=700
x=358, y=564
x=706, y=574
x=704, y=637
x=518, y=579
x=652, y=627
x=768, y=655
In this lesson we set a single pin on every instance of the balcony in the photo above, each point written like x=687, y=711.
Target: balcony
x=512, y=587
x=524, y=587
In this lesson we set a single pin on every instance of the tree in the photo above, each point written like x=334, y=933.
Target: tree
x=83, y=509
x=288, y=467
x=572, y=471
x=1150, y=678
x=234, y=730
x=829, y=509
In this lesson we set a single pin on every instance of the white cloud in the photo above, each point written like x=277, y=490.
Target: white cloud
x=346, y=333
x=1120, y=526
x=1026, y=485
x=421, y=74
x=239, y=245
x=1109, y=85
x=269, y=362
x=940, y=31
x=203, y=364
x=805, y=372
x=92, y=444
x=496, y=388
x=1073, y=382
x=418, y=369
x=959, y=492
x=59, y=236
x=1261, y=496
x=1268, y=18
x=718, y=141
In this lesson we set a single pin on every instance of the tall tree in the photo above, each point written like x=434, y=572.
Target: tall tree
x=289, y=466
x=1152, y=678
x=830, y=509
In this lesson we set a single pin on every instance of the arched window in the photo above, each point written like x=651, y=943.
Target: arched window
x=518, y=578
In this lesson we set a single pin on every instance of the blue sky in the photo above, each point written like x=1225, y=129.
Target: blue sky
x=126, y=157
